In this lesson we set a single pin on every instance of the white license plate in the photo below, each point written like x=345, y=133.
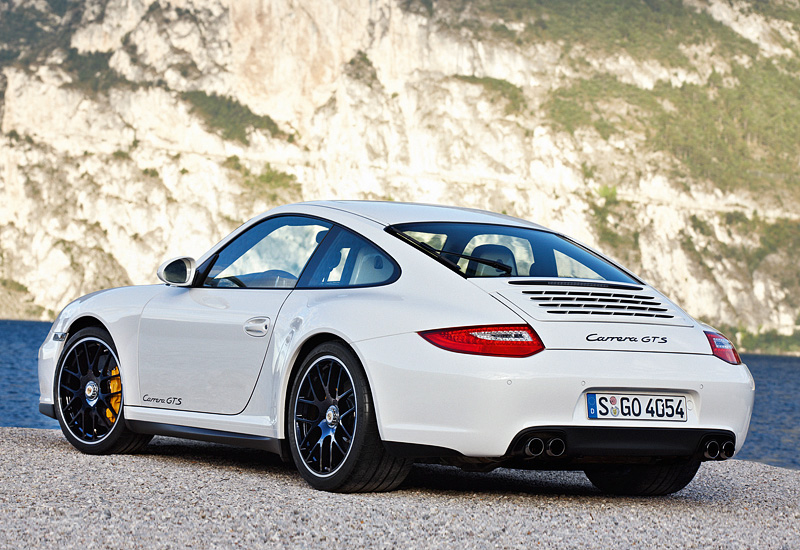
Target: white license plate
x=617, y=406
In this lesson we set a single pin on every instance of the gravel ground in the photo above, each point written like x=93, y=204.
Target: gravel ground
x=181, y=494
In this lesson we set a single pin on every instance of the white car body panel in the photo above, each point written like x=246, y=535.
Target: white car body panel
x=423, y=395
x=193, y=340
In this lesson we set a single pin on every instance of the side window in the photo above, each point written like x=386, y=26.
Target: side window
x=349, y=260
x=271, y=254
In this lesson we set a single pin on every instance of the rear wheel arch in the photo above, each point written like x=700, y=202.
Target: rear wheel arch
x=303, y=352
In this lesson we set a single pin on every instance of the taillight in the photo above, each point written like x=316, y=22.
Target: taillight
x=497, y=340
x=722, y=347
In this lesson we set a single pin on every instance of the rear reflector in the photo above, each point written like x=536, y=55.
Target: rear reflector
x=497, y=340
x=723, y=348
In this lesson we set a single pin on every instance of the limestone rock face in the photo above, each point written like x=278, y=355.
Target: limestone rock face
x=137, y=130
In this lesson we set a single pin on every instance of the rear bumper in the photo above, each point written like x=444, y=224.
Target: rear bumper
x=478, y=406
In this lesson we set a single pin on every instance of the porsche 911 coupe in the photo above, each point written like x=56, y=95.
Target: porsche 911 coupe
x=356, y=338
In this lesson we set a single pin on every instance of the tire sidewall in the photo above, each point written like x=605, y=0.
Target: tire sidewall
x=363, y=415
x=110, y=439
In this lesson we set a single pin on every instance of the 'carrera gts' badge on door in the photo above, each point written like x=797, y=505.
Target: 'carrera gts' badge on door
x=162, y=400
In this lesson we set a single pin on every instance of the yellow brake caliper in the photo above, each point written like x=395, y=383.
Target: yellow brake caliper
x=114, y=385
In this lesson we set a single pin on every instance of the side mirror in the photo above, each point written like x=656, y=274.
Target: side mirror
x=178, y=271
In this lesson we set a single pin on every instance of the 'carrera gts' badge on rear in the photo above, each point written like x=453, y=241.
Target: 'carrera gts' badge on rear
x=594, y=337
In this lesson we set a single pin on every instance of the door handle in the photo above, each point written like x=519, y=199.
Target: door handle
x=257, y=326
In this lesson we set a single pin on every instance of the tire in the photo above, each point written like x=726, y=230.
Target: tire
x=643, y=479
x=88, y=396
x=333, y=433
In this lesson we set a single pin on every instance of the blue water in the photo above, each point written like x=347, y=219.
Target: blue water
x=774, y=436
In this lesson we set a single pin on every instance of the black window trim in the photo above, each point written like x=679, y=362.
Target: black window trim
x=201, y=274
x=205, y=268
x=322, y=249
x=397, y=232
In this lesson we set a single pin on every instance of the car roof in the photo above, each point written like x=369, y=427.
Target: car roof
x=391, y=213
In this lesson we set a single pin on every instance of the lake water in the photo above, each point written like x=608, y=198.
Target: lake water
x=774, y=436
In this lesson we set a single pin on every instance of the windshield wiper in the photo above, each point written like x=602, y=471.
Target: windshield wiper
x=440, y=254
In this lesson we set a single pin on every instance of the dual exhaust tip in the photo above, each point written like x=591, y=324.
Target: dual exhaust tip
x=719, y=450
x=537, y=446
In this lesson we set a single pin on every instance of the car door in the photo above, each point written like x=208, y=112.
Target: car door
x=202, y=348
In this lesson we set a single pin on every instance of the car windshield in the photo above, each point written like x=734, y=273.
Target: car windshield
x=483, y=250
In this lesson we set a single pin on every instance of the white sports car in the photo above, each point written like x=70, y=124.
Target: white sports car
x=356, y=338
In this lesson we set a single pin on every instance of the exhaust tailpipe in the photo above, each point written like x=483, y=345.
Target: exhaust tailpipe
x=712, y=450
x=556, y=447
x=534, y=447
x=727, y=450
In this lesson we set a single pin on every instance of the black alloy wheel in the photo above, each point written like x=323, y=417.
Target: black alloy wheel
x=325, y=414
x=88, y=395
x=333, y=433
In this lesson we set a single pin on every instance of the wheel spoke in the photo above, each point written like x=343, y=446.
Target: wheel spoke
x=308, y=458
x=346, y=394
x=86, y=364
x=328, y=382
x=72, y=401
x=74, y=416
x=339, y=384
x=335, y=442
x=346, y=432
x=95, y=362
x=319, y=378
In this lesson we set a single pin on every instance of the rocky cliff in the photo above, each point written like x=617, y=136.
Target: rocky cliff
x=663, y=133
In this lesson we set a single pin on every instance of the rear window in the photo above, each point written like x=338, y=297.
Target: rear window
x=482, y=250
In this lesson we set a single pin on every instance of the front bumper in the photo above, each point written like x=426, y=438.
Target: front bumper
x=478, y=406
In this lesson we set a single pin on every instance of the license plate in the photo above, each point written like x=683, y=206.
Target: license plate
x=615, y=406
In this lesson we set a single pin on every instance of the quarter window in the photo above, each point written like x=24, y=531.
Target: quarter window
x=349, y=260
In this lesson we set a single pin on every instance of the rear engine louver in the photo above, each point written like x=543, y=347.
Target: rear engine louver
x=603, y=303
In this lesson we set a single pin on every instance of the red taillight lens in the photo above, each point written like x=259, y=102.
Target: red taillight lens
x=723, y=348
x=497, y=340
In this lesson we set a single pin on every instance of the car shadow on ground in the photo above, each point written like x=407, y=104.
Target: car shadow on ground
x=423, y=478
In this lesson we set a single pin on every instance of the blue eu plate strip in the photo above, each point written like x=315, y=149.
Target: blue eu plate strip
x=591, y=404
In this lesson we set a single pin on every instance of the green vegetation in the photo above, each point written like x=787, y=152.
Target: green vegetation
x=740, y=137
x=645, y=29
x=91, y=71
x=150, y=172
x=768, y=342
x=500, y=90
x=361, y=68
x=121, y=155
x=269, y=185
x=778, y=244
x=13, y=286
x=26, y=33
x=613, y=219
x=229, y=117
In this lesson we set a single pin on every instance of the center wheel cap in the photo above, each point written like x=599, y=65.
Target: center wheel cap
x=332, y=416
x=92, y=391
